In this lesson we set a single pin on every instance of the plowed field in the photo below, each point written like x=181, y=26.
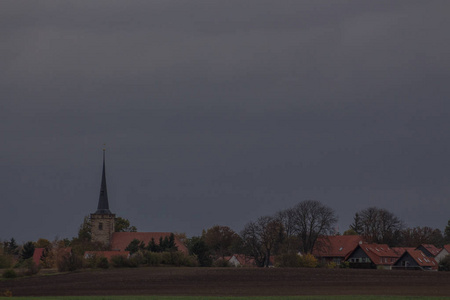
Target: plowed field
x=233, y=282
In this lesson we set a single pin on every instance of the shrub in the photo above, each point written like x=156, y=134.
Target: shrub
x=103, y=263
x=119, y=261
x=69, y=262
x=221, y=263
x=92, y=261
x=444, y=264
x=10, y=273
x=152, y=259
x=31, y=267
x=7, y=293
x=344, y=265
x=134, y=261
x=291, y=260
x=331, y=265
x=177, y=259
x=6, y=261
x=308, y=261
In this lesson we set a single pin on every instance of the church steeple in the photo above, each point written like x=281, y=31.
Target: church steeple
x=103, y=205
x=102, y=221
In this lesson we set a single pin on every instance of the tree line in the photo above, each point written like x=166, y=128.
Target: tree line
x=283, y=234
x=296, y=230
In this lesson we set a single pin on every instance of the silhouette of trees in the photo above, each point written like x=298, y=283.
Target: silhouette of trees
x=311, y=220
x=27, y=250
x=378, y=225
x=413, y=237
x=261, y=239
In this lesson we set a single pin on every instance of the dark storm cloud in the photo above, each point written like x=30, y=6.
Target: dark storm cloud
x=219, y=112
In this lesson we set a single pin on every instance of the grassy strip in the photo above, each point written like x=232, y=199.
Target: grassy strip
x=227, y=298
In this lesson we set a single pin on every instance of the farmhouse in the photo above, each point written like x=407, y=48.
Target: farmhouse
x=37, y=255
x=416, y=260
x=443, y=253
x=240, y=260
x=429, y=250
x=335, y=248
x=378, y=256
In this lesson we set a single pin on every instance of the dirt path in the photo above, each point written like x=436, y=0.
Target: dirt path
x=233, y=282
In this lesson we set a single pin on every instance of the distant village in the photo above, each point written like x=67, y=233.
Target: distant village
x=301, y=236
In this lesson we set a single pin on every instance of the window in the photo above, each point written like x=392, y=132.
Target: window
x=100, y=226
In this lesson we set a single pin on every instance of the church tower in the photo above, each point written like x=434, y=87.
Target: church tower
x=102, y=221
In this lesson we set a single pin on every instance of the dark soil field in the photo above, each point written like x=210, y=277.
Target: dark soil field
x=233, y=282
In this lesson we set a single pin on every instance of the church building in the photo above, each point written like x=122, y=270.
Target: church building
x=102, y=225
x=102, y=221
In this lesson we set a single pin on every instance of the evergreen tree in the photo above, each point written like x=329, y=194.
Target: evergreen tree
x=153, y=247
x=27, y=250
x=11, y=247
x=134, y=246
x=447, y=233
x=198, y=247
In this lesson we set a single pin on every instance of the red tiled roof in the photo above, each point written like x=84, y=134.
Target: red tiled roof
x=431, y=248
x=447, y=247
x=121, y=240
x=422, y=260
x=37, y=255
x=336, y=246
x=107, y=254
x=401, y=250
x=380, y=254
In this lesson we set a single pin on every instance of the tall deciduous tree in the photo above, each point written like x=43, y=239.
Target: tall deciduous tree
x=413, y=237
x=85, y=230
x=313, y=219
x=261, y=239
x=291, y=242
x=220, y=239
x=123, y=225
x=380, y=226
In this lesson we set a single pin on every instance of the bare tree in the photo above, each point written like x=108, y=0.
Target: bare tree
x=380, y=226
x=312, y=219
x=413, y=237
x=287, y=219
x=261, y=239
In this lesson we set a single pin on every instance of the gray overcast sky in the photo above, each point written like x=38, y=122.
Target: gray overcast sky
x=218, y=112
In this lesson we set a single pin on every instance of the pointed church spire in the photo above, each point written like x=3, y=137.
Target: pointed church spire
x=103, y=206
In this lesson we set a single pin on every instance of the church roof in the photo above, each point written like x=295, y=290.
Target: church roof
x=103, y=205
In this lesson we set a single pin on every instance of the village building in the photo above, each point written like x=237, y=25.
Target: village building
x=401, y=250
x=240, y=260
x=37, y=255
x=102, y=221
x=335, y=249
x=443, y=253
x=371, y=256
x=429, y=250
x=415, y=260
